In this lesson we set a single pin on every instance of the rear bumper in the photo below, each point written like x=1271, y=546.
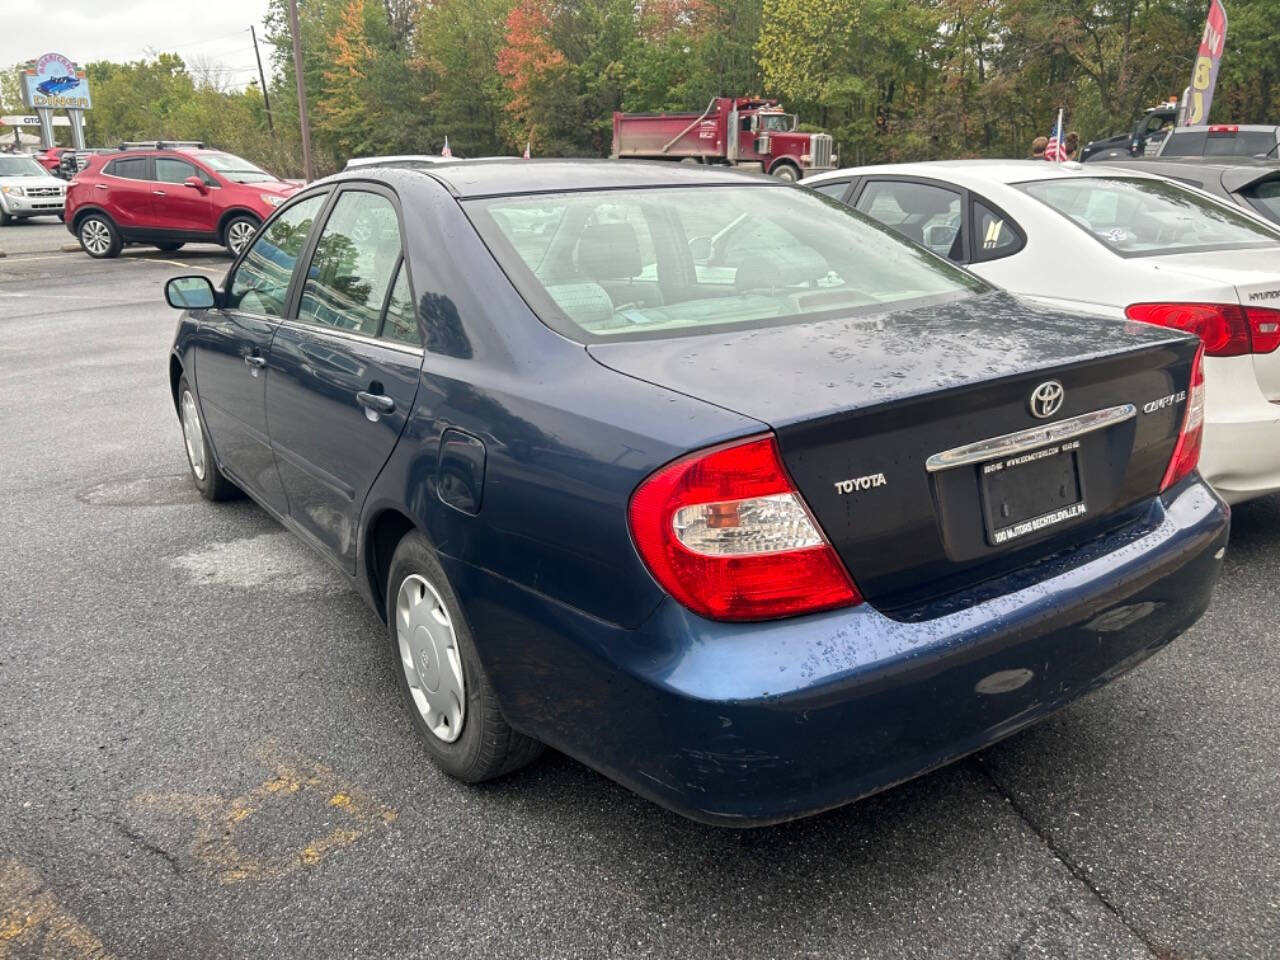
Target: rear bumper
x=747, y=724
x=1241, y=454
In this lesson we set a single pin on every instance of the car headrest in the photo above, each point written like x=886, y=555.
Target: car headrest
x=911, y=199
x=609, y=251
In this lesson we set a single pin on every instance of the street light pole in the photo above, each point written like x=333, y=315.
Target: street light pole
x=302, y=91
x=266, y=98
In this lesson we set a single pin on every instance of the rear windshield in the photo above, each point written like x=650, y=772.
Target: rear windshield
x=1265, y=197
x=1220, y=143
x=637, y=263
x=1137, y=218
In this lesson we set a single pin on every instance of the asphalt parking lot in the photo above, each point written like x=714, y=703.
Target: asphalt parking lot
x=203, y=753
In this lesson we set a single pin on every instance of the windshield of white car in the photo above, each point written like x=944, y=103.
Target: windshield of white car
x=1144, y=218
x=660, y=262
x=235, y=168
x=21, y=167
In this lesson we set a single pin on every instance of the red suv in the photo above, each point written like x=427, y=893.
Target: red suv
x=167, y=197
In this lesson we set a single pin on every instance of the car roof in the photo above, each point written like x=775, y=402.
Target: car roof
x=972, y=171
x=515, y=175
x=395, y=158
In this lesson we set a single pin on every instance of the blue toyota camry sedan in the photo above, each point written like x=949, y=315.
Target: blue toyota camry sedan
x=718, y=486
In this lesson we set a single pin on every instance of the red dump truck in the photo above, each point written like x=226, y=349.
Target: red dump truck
x=737, y=131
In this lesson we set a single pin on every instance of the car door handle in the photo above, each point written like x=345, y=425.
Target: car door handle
x=376, y=402
x=158, y=193
x=100, y=186
x=256, y=363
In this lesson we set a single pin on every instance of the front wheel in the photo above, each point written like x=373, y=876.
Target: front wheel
x=239, y=232
x=454, y=709
x=785, y=171
x=99, y=237
x=204, y=469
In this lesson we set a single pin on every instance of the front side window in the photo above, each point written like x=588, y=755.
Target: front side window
x=1137, y=218
x=171, y=170
x=777, y=122
x=130, y=168
x=261, y=281
x=921, y=212
x=352, y=265
x=834, y=189
x=633, y=264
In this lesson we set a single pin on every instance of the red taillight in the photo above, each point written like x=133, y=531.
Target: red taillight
x=726, y=533
x=1186, y=454
x=1224, y=128
x=1227, y=329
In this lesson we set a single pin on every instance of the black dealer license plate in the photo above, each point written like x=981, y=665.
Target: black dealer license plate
x=1026, y=493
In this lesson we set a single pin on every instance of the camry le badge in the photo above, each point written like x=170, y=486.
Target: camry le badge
x=1046, y=399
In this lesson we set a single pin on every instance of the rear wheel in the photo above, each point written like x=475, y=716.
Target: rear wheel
x=239, y=231
x=168, y=246
x=786, y=171
x=204, y=469
x=99, y=237
x=454, y=709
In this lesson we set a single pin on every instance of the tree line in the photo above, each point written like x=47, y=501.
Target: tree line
x=889, y=79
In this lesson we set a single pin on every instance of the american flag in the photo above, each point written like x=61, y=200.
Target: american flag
x=446, y=152
x=1056, y=150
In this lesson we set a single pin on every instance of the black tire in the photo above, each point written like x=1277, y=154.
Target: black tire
x=213, y=485
x=233, y=233
x=169, y=246
x=786, y=171
x=62, y=217
x=5, y=219
x=99, y=237
x=487, y=746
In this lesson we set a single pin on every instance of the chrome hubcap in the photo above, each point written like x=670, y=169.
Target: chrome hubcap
x=95, y=236
x=192, y=434
x=430, y=659
x=239, y=235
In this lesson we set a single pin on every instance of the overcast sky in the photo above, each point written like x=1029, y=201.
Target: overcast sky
x=212, y=31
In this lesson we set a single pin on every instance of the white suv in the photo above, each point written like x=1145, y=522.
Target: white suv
x=28, y=190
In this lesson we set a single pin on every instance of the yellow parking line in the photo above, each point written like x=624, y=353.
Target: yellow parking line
x=297, y=791
x=34, y=924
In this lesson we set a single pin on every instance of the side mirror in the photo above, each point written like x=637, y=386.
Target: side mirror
x=195, y=183
x=700, y=249
x=190, y=293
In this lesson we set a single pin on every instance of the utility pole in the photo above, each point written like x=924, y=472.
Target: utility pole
x=266, y=98
x=302, y=91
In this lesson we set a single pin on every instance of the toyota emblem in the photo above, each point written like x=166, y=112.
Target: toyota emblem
x=1046, y=399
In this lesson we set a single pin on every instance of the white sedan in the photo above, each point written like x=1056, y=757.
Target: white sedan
x=1118, y=243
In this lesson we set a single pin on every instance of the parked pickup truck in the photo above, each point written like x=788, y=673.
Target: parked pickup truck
x=733, y=131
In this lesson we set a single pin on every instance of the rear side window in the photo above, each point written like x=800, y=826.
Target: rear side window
x=1137, y=218
x=351, y=269
x=261, y=281
x=401, y=323
x=1265, y=198
x=129, y=168
x=994, y=235
x=927, y=214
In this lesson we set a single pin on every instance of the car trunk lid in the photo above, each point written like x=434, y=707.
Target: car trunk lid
x=861, y=404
